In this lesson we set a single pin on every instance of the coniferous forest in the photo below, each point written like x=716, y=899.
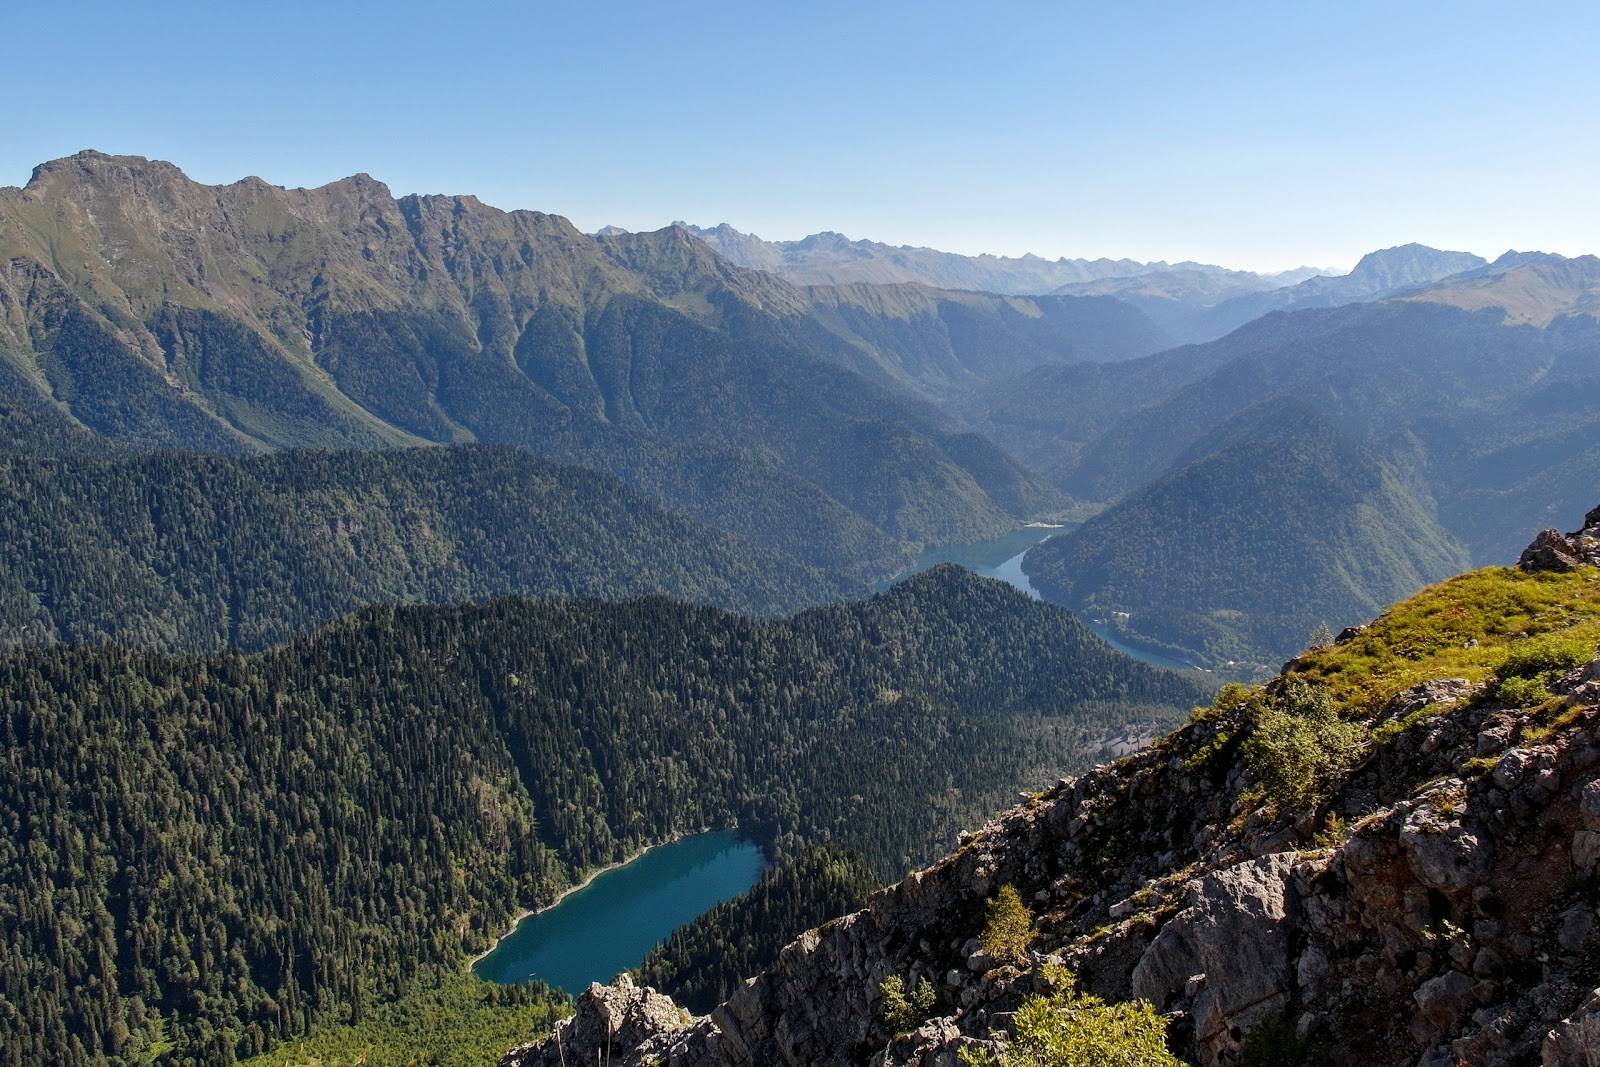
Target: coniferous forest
x=193, y=553
x=211, y=854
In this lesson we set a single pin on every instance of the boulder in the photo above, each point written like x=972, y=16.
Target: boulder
x=1445, y=999
x=1237, y=929
x=1552, y=550
x=626, y=1025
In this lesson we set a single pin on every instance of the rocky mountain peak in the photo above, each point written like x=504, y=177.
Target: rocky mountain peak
x=1410, y=264
x=90, y=175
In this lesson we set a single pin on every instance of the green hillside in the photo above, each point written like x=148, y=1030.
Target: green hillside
x=186, y=553
x=1274, y=524
x=214, y=854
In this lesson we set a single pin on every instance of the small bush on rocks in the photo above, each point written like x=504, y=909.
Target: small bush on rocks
x=1007, y=928
x=1301, y=748
x=903, y=1013
x=1274, y=1043
x=1072, y=1029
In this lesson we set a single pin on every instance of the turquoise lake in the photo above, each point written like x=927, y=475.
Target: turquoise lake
x=612, y=923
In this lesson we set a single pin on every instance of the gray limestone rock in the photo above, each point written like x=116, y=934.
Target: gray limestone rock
x=1237, y=930
x=1553, y=551
x=639, y=1026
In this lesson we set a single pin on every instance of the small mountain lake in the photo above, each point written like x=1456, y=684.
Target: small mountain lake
x=611, y=924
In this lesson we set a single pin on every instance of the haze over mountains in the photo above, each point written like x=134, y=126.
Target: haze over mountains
x=1189, y=301
x=1207, y=306
x=833, y=259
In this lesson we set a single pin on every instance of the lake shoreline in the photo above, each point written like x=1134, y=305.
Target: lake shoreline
x=565, y=893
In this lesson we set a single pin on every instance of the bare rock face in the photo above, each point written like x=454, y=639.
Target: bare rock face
x=1554, y=551
x=1575, y=1042
x=1229, y=952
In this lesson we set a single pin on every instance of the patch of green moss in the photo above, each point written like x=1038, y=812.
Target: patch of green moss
x=1393, y=729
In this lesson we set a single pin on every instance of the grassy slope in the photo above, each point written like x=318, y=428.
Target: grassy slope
x=1461, y=628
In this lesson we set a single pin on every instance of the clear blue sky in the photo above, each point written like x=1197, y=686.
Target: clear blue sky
x=1259, y=135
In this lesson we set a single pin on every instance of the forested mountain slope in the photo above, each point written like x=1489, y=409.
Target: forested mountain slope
x=209, y=854
x=179, y=552
x=1489, y=417
x=1275, y=523
x=155, y=311
x=1053, y=415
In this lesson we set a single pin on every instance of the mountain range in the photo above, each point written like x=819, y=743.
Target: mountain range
x=833, y=259
x=1197, y=306
x=154, y=311
x=840, y=425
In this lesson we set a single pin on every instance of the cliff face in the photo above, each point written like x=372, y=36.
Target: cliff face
x=1429, y=898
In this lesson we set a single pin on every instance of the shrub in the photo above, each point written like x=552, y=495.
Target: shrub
x=1300, y=747
x=1007, y=928
x=902, y=1013
x=1231, y=698
x=1321, y=637
x=1273, y=1043
x=1069, y=1029
x=1540, y=656
x=1521, y=692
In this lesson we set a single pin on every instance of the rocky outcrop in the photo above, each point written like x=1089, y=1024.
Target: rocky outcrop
x=1554, y=551
x=1228, y=951
x=626, y=1025
x=1441, y=907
